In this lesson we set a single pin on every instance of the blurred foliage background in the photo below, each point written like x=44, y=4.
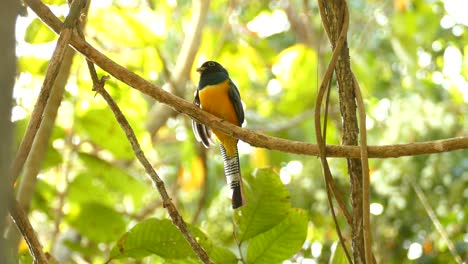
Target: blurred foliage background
x=410, y=57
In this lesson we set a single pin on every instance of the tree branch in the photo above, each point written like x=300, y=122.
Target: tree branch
x=254, y=139
x=435, y=221
x=24, y=226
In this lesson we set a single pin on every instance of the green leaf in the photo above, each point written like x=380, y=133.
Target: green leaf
x=136, y=27
x=267, y=204
x=33, y=65
x=162, y=238
x=280, y=242
x=338, y=255
x=37, y=33
x=296, y=70
x=222, y=255
x=98, y=222
x=52, y=158
x=152, y=236
x=55, y=2
x=44, y=193
x=115, y=179
x=102, y=128
x=85, y=183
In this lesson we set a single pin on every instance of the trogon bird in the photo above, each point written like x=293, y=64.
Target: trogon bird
x=218, y=95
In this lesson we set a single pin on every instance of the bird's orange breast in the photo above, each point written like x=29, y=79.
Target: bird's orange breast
x=215, y=100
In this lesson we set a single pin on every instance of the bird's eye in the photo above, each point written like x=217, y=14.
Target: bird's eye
x=211, y=64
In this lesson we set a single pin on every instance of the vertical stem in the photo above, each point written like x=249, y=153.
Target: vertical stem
x=8, y=12
x=334, y=13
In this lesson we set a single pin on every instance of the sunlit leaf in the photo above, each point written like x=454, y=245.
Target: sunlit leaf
x=102, y=128
x=259, y=158
x=114, y=178
x=37, y=33
x=52, y=158
x=55, y=2
x=280, y=242
x=296, y=70
x=32, y=64
x=162, y=238
x=338, y=255
x=85, y=183
x=267, y=204
x=136, y=27
x=196, y=177
x=97, y=222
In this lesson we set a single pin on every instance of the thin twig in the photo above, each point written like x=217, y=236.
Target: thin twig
x=253, y=138
x=430, y=212
x=365, y=174
x=21, y=220
x=167, y=202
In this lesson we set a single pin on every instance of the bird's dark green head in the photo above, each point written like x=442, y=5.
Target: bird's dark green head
x=211, y=73
x=211, y=67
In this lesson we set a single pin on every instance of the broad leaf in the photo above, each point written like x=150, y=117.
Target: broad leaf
x=103, y=130
x=338, y=255
x=267, y=204
x=162, y=238
x=114, y=178
x=296, y=70
x=37, y=33
x=280, y=242
x=98, y=222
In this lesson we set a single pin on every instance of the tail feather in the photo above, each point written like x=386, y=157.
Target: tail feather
x=233, y=177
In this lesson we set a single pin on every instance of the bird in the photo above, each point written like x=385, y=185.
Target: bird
x=217, y=94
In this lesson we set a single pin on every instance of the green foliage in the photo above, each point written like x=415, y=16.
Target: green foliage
x=410, y=58
x=37, y=33
x=281, y=241
x=265, y=208
x=162, y=238
x=277, y=237
x=97, y=125
x=297, y=73
x=97, y=222
x=338, y=255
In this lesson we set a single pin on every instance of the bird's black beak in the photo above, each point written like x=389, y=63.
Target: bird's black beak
x=201, y=69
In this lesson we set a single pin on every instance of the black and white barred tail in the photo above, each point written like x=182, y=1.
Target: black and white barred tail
x=233, y=178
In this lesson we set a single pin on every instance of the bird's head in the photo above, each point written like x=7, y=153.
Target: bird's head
x=211, y=67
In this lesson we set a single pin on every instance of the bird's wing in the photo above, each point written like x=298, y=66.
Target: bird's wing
x=235, y=98
x=202, y=133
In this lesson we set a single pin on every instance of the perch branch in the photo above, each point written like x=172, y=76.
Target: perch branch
x=254, y=139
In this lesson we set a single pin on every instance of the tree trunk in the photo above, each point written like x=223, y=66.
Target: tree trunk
x=8, y=13
x=350, y=125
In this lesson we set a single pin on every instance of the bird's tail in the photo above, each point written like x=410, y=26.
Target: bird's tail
x=233, y=177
